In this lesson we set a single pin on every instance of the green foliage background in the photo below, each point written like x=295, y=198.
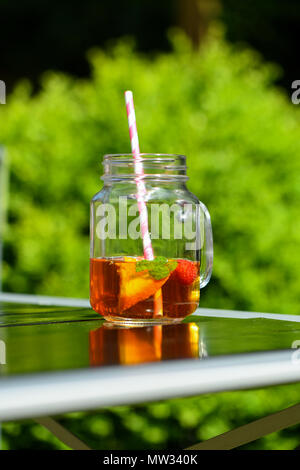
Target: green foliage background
x=241, y=137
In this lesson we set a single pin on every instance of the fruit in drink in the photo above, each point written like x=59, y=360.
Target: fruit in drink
x=135, y=286
x=125, y=288
x=186, y=272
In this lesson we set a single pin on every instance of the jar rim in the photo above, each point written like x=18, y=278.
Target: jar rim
x=158, y=166
x=146, y=156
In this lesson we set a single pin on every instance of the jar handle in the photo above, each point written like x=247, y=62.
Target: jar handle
x=206, y=247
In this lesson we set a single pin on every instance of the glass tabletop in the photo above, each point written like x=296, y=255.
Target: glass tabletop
x=37, y=338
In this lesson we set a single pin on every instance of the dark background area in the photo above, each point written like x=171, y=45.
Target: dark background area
x=269, y=26
x=40, y=35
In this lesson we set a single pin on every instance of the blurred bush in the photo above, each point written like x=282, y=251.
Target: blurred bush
x=241, y=136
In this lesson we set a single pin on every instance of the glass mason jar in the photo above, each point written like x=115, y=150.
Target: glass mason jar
x=127, y=287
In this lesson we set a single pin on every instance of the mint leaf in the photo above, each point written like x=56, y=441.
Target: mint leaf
x=159, y=272
x=160, y=259
x=159, y=268
x=142, y=265
x=172, y=265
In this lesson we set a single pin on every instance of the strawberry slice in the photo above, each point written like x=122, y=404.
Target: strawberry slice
x=186, y=272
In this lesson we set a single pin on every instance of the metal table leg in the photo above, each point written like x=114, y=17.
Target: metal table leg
x=252, y=431
x=62, y=433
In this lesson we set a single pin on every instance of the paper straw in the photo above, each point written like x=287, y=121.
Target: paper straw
x=141, y=192
x=139, y=171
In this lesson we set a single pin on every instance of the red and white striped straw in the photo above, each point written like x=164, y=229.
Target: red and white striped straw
x=139, y=171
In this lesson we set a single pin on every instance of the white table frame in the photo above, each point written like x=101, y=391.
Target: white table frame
x=39, y=396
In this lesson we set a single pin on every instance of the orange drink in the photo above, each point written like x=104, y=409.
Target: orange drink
x=125, y=288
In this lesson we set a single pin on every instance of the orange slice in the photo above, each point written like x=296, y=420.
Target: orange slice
x=135, y=286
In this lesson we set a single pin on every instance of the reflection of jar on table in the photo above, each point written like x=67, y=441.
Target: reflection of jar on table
x=117, y=345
